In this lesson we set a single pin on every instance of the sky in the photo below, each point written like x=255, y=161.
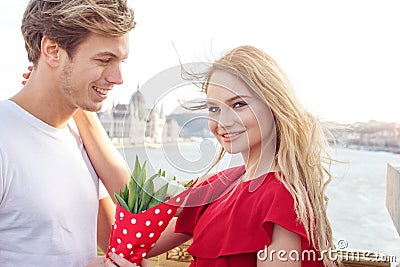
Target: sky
x=342, y=57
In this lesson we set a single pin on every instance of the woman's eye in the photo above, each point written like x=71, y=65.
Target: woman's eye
x=239, y=104
x=213, y=109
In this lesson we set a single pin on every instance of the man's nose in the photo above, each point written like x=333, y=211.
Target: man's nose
x=114, y=75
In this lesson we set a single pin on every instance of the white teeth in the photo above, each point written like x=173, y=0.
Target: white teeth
x=231, y=135
x=101, y=91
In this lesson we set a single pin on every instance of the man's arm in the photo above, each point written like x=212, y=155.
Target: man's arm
x=105, y=219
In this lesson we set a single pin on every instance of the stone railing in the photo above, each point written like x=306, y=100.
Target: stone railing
x=393, y=194
x=179, y=257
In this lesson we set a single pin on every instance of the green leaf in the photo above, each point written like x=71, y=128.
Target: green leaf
x=140, y=180
x=159, y=196
x=147, y=193
x=136, y=169
x=121, y=201
x=143, y=173
x=126, y=193
x=188, y=184
x=132, y=194
x=154, y=176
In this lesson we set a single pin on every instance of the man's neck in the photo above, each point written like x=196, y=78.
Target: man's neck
x=44, y=103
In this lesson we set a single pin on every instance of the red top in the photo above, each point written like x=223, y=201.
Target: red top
x=229, y=226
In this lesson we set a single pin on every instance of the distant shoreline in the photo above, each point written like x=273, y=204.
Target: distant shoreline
x=393, y=150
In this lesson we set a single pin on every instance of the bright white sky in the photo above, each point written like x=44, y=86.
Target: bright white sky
x=343, y=56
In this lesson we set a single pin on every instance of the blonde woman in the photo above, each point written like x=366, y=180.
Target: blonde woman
x=278, y=201
x=272, y=210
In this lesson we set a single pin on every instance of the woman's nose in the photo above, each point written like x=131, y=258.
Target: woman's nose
x=227, y=117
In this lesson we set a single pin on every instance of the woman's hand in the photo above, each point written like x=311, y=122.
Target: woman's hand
x=26, y=75
x=116, y=260
x=96, y=262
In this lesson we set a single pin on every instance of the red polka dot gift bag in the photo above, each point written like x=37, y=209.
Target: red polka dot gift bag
x=141, y=215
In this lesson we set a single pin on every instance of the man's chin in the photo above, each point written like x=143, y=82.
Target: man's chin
x=95, y=108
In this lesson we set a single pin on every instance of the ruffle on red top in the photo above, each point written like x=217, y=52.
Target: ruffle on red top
x=241, y=219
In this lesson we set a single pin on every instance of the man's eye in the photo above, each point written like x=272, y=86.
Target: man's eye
x=104, y=60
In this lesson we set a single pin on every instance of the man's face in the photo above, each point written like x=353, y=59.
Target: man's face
x=94, y=69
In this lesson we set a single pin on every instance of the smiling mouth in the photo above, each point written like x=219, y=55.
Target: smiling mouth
x=100, y=90
x=231, y=135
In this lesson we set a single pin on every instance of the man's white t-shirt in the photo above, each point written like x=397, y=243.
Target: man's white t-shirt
x=49, y=193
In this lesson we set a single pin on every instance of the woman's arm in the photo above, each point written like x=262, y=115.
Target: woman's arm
x=280, y=253
x=107, y=161
x=168, y=240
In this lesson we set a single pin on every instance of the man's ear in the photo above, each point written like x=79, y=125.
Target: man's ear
x=51, y=51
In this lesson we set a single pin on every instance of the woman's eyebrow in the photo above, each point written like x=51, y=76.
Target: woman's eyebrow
x=213, y=102
x=237, y=97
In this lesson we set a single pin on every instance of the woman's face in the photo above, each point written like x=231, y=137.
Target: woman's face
x=239, y=119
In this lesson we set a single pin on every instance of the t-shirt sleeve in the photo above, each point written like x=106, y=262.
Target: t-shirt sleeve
x=103, y=193
x=2, y=178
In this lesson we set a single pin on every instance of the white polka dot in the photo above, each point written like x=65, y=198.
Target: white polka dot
x=142, y=245
x=157, y=211
x=144, y=254
x=139, y=235
x=129, y=246
x=133, y=221
x=152, y=245
x=118, y=241
x=113, y=250
x=160, y=223
x=148, y=223
x=121, y=254
x=151, y=235
x=131, y=252
x=115, y=226
x=169, y=211
x=121, y=214
x=178, y=199
x=124, y=231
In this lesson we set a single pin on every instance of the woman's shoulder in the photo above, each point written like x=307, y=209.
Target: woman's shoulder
x=227, y=175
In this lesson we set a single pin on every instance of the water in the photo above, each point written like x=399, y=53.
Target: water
x=356, y=209
x=357, y=201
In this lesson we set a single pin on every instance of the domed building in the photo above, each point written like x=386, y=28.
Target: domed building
x=131, y=124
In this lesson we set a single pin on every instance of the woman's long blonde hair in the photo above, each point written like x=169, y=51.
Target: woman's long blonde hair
x=302, y=150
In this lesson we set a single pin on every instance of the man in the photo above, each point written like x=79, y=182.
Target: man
x=49, y=190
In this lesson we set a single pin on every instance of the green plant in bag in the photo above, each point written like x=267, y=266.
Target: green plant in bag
x=138, y=195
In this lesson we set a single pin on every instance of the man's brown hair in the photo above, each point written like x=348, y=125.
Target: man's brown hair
x=68, y=22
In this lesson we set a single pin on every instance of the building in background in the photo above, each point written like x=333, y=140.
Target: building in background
x=134, y=123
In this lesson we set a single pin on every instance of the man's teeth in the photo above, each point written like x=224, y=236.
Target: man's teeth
x=101, y=91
